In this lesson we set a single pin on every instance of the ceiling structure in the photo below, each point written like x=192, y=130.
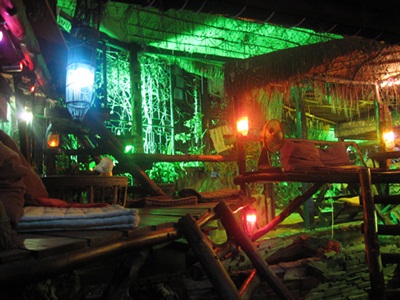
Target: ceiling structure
x=212, y=36
x=378, y=20
x=223, y=32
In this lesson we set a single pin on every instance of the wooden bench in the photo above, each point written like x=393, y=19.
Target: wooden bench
x=308, y=161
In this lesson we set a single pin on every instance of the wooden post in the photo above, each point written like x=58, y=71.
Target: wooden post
x=373, y=255
x=216, y=272
x=233, y=229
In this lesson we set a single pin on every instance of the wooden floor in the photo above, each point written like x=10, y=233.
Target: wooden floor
x=49, y=254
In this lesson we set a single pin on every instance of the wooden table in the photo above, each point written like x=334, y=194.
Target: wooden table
x=88, y=188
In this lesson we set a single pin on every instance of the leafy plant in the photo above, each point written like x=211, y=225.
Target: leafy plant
x=166, y=172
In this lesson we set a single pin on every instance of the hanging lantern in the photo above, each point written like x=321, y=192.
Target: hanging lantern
x=82, y=55
x=81, y=70
x=53, y=140
x=53, y=137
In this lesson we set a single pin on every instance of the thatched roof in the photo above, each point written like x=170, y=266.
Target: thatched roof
x=337, y=80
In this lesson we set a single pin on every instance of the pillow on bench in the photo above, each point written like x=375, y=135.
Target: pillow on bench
x=12, y=186
x=334, y=155
x=299, y=154
x=303, y=153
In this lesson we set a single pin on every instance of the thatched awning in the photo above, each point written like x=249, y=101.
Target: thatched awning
x=337, y=80
x=293, y=64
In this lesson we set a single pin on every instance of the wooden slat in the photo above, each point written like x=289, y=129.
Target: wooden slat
x=172, y=211
x=145, y=230
x=93, y=237
x=42, y=245
x=150, y=220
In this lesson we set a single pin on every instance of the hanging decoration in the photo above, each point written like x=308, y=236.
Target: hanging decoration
x=81, y=65
x=113, y=89
x=157, y=114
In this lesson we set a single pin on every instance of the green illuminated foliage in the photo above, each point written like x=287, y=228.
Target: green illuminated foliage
x=165, y=172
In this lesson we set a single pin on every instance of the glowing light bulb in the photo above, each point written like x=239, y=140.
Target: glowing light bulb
x=243, y=126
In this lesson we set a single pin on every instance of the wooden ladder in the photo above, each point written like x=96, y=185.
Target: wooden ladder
x=371, y=230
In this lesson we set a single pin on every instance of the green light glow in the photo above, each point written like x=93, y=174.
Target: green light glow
x=225, y=37
x=119, y=99
x=157, y=106
x=194, y=32
x=129, y=149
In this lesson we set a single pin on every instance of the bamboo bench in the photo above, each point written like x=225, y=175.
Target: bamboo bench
x=309, y=161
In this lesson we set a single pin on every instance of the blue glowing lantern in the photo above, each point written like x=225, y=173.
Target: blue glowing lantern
x=81, y=69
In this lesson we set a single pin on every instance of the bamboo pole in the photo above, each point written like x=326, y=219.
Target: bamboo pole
x=233, y=229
